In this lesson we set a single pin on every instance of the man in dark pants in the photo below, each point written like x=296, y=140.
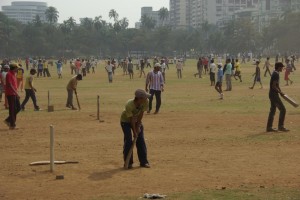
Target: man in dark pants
x=12, y=97
x=30, y=91
x=72, y=87
x=276, y=101
x=131, y=122
x=155, y=82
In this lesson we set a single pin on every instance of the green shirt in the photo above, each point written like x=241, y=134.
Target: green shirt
x=132, y=111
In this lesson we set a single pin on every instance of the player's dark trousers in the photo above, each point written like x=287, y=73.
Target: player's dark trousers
x=157, y=94
x=70, y=98
x=276, y=103
x=14, y=109
x=29, y=94
x=140, y=144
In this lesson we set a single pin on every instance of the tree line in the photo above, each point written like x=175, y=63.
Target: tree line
x=98, y=37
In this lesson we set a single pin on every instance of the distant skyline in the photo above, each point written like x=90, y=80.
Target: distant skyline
x=130, y=9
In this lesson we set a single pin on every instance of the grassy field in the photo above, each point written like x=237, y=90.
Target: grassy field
x=199, y=147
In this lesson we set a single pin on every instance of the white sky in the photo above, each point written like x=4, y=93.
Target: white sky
x=91, y=8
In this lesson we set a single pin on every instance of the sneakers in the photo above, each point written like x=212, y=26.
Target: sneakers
x=73, y=108
x=37, y=109
x=282, y=129
x=221, y=96
x=271, y=130
x=68, y=106
x=147, y=165
x=13, y=128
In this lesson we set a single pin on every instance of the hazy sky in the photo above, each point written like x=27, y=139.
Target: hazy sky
x=91, y=8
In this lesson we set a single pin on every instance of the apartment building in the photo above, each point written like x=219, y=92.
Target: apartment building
x=25, y=11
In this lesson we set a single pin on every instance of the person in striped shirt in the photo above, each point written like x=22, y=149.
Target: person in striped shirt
x=155, y=82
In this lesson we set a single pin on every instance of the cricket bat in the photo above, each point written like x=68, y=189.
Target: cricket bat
x=131, y=149
x=290, y=101
x=77, y=100
x=55, y=162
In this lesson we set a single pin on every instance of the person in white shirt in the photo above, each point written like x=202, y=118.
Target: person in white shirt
x=179, y=68
x=109, y=69
x=212, y=72
x=163, y=69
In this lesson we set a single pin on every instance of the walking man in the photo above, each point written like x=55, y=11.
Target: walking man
x=256, y=75
x=13, y=97
x=71, y=87
x=155, y=82
x=131, y=123
x=30, y=91
x=267, y=66
x=276, y=101
x=212, y=72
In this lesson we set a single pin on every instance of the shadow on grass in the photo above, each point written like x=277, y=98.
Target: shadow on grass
x=99, y=176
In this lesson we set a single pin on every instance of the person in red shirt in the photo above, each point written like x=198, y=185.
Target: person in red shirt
x=12, y=97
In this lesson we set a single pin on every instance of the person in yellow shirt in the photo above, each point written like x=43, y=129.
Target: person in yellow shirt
x=71, y=87
x=238, y=70
x=20, y=75
x=30, y=91
x=45, y=69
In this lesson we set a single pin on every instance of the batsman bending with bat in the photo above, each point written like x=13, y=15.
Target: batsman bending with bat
x=72, y=87
x=131, y=123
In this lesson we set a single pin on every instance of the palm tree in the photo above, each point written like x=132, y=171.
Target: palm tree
x=124, y=23
x=71, y=22
x=52, y=15
x=148, y=22
x=113, y=14
x=163, y=14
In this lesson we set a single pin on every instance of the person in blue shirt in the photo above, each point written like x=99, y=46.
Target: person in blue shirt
x=59, y=68
x=218, y=86
x=40, y=67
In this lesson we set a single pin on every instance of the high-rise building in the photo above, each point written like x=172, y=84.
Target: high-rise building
x=25, y=11
x=154, y=15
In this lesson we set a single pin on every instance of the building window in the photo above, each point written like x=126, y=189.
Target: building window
x=219, y=1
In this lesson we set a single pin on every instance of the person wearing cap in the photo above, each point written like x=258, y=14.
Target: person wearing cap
x=13, y=97
x=30, y=91
x=276, y=102
x=155, y=82
x=131, y=123
x=71, y=87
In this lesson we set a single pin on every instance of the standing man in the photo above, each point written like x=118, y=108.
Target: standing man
x=212, y=72
x=30, y=91
x=228, y=72
x=155, y=82
x=71, y=87
x=20, y=77
x=131, y=122
x=276, y=101
x=13, y=97
x=199, y=68
x=59, y=65
x=179, y=68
